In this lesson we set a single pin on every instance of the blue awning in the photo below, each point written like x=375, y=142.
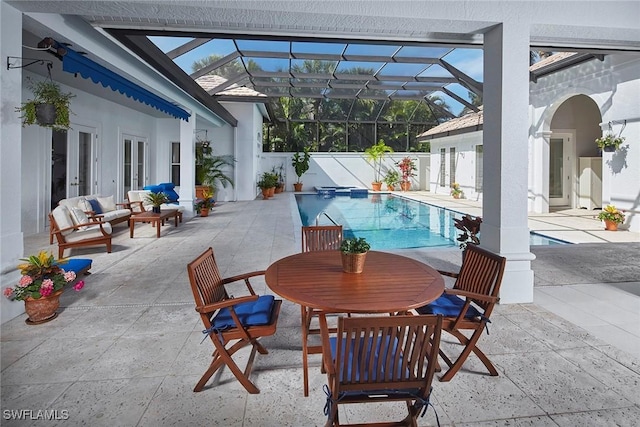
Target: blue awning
x=73, y=62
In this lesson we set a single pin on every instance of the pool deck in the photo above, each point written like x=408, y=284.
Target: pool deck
x=127, y=349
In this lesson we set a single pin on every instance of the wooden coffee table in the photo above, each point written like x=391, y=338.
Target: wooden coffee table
x=156, y=219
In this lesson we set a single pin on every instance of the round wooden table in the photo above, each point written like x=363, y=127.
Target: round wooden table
x=389, y=282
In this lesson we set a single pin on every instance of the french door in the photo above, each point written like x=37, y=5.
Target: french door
x=135, y=163
x=73, y=163
x=560, y=155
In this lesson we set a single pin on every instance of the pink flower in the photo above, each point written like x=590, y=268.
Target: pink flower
x=45, y=292
x=25, y=281
x=78, y=285
x=8, y=292
x=69, y=276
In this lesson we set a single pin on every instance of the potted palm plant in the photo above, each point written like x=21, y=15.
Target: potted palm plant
x=375, y=154
x=211, y=171
x=157, y=199
x=50, y=107
x=354, y=252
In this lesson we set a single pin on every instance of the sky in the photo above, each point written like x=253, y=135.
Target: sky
x=469, y=61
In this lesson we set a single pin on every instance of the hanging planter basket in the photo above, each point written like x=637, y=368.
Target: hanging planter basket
x=46, y=114
x=609, y=148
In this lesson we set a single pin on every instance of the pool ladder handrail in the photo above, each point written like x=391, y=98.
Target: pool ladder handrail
x=327, y=215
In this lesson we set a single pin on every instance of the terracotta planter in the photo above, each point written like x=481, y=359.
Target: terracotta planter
x=200, y=189
x=279, y=189
x=204, y=212
x=265, y=193
x=272, y=191
x=391, y=187
x=610, y=225
x=456, y=196
x=405, y=185
x=297, y=186
x=42, y=310
x=376, y=186
x=353, y=263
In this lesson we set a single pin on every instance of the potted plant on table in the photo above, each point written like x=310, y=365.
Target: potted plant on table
x=609, y=142
x=50, y=107
x=157, y=199
x=300, y=163
x=408, y=168
x=456, y=191
x=612, y=217
x=354, y=252
x=41, y=285
x=375, y=154
x=391, y=179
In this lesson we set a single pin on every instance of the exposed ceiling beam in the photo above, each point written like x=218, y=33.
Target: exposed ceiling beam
x=460, y=100
x=187, y=47
x=465, y=80
x=215, y=65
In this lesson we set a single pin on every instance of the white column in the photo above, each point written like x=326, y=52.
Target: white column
x=187, y=164
x=11, y=236
x=505, y=135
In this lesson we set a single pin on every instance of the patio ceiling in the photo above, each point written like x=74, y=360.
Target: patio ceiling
x=318, y=70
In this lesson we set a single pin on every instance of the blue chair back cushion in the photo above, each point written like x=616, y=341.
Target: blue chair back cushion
x=253, y=313
x=380, y=350
x=448, y=306
x=95, y=206
x=167, y=188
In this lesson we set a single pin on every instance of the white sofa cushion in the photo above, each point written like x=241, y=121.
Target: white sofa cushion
x=107, y=203
x=62, y=216
x=84, y=204
x=90, y=232
x=79, y=217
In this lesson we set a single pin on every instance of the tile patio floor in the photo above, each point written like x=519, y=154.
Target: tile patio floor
x=127, y=351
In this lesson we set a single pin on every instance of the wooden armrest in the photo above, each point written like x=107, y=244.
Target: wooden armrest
x=244, y=276
x=448, y=273
x=472, y=295
x=208, y=308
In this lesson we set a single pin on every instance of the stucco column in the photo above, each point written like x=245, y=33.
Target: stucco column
x=11, y=236
x=187, y=163
x=505, y=136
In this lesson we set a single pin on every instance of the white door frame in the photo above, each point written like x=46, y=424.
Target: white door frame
x=568, y=169
x=138, y=179
x=73, y=161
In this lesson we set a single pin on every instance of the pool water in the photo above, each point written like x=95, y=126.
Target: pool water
x=388, y=221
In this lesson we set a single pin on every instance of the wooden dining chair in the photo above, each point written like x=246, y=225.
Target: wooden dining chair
x=321, y=238
x=381, y=359
x=315, y=238
x=469, y=304
x=231, y=322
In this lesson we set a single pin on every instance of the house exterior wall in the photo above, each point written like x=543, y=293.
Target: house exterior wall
x=614, y=86
x=465, y=163
x=338, y=169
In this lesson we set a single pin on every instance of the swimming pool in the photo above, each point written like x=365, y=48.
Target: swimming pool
x=388, y=221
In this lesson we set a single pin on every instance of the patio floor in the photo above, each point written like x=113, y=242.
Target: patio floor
x=127, y=349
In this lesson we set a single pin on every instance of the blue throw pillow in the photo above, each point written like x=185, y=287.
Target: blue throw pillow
x=95, y=206
x=253, y=313
x=449, y=306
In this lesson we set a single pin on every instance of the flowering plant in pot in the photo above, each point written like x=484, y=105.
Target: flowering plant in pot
x=40, y=286
x=611, y=216
x=204, y=205
x=609, y=142
x=456, y=191
x=408, y=169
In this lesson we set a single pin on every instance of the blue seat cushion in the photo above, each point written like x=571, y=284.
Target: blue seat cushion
x=77, y=265
x=95, y=206
x=449, y=306
x=253, y=313
x=381, y=348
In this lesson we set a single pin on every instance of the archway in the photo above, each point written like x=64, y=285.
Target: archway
x=575, y=164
